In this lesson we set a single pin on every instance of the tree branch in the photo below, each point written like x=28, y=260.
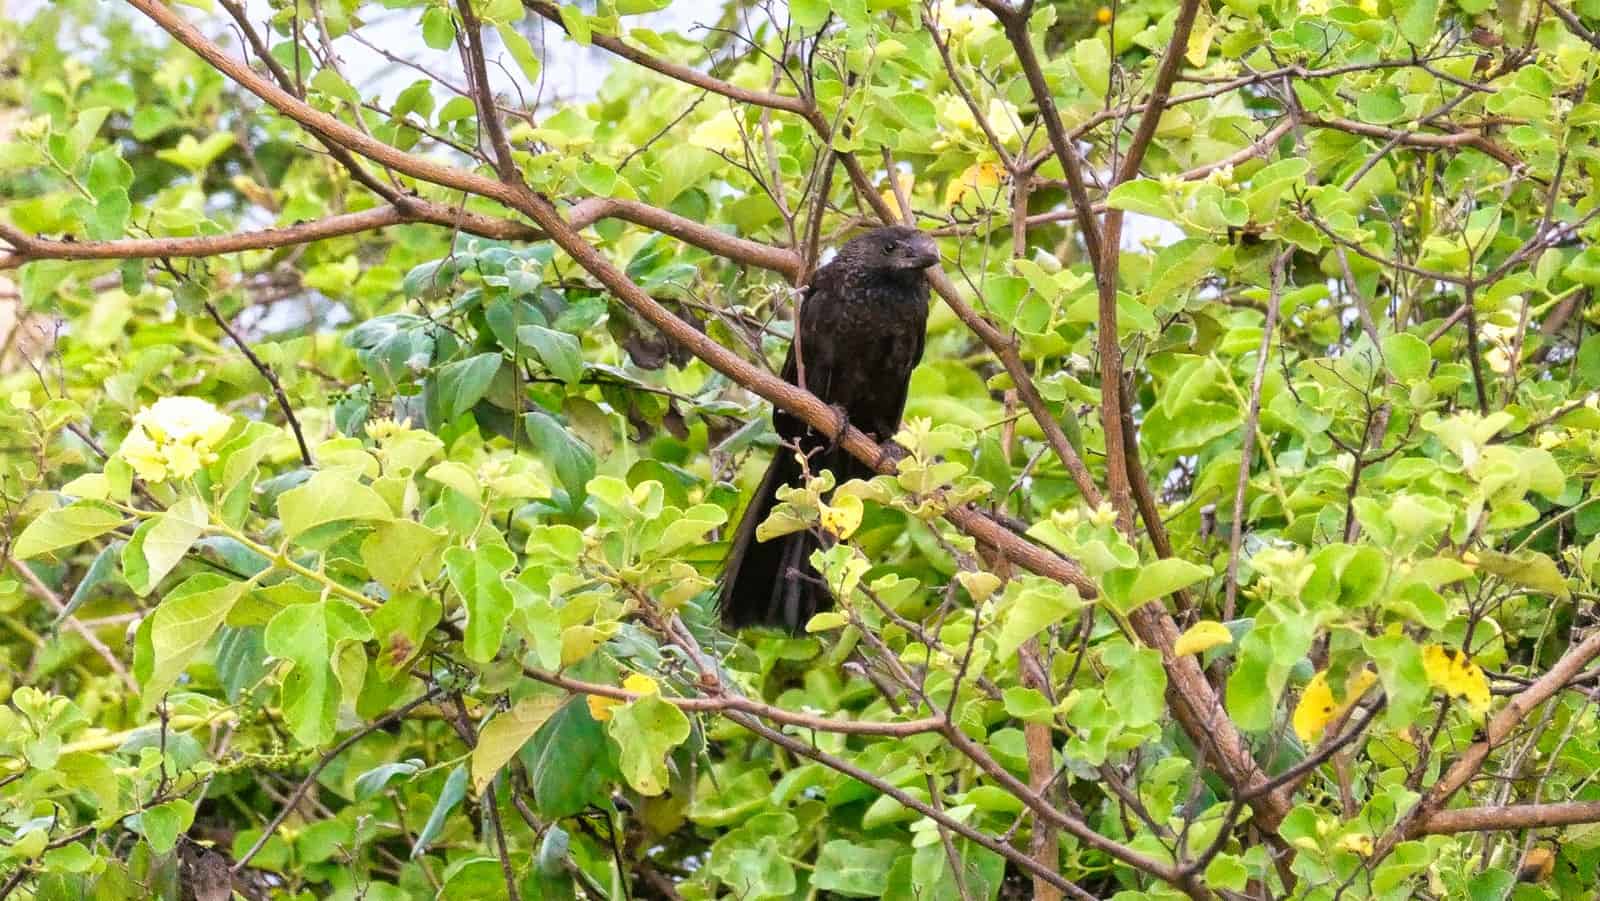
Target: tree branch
x=1518, y=816
x=1414, y=821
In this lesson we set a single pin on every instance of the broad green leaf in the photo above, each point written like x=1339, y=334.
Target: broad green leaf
x=401, y=626
x=375, y=780
x=197, y=156
x=438, y=28
x=65, y=527
x=1136, y=683
x=310, y=636
x=400, y=552
x=560, y=352
x=1129, y=589
x=162, y=824
x=1141, y=196
x=1407, y=357
x=568, y=762
x=1416, y=19
x=180, y=627
x=479, y=577
x=1030, y=606
x=646, y=730
x=521, y=51
x=1530, y=569
x=331, y=495
x=463, y=383
x=174, y=532
x=101, y=571
x=569, y=458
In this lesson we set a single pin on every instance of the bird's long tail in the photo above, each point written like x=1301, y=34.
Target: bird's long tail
x=772, y=583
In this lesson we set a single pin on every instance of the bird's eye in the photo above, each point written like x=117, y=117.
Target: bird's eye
x=890, y=247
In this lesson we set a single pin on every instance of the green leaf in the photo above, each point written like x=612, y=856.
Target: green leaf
x=479, y=576
x=1404, y=678
x=1227, y=871
x=401, y=627
x=576, y=23
x=455, y=788
x=569, y=762
x=1136, y=683
x=569, y=458
x=174, y=532
x=371, y=783
x=852, y=870
x=180, y=627
x=560, y=352
x=808, y=15
x=1026, y=704
x=331, y=495
x=521, y=51
x=1382, y=105
x=646, y=730
x=401, y=552
x=640, y=7
x=682, y=166
x=504, y=735
x=463, y=383
x=1129, y=589
x=1530, y=569
x=1407, y=357
x=438, y=28
x=1416, y=19
x=309, y=636
x=1141, y=196
x=103, y=569
x=1031, y=605
x=196, y=156
x=1092, y=62
x=65, y=527
x=162, y=824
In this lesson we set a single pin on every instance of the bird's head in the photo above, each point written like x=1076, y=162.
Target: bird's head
x=896, y=248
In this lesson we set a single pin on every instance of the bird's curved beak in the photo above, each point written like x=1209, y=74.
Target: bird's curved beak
x=923, y=253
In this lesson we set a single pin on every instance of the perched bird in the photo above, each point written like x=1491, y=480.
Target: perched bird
x=861, y=330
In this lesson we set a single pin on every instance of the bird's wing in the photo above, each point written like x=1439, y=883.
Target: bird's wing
x=811, y=350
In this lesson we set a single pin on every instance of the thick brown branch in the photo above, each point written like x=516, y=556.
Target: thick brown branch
x=1519, y=816
x=29, y=248
x=1419, y=139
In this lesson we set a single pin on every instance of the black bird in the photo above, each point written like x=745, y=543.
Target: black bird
x=862, y=322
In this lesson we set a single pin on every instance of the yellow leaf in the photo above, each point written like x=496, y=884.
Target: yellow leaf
x=906, y=181
x=1202, y=637
x=1356, y=843
x=600, y=705
x=981, y=585
x=507, y=732
x=984, y=178
x=1454, y=673
x=640, y=685
x=842, y=516
x=1317, y=707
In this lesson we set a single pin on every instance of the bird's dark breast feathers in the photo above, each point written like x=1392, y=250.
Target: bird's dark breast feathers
x=873, y=333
